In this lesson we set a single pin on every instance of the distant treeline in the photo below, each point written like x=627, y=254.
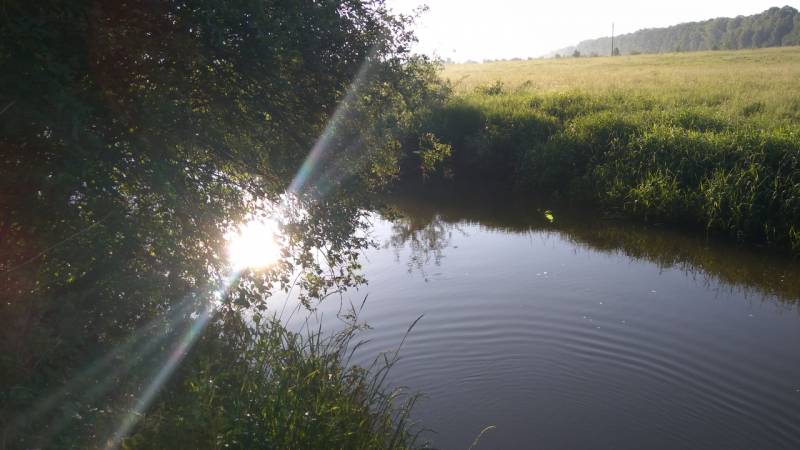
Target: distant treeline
x=774, y=27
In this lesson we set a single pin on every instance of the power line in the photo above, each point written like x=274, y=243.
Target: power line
x=612, y=38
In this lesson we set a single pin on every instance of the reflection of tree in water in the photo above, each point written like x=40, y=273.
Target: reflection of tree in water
x=426, y=238
x=726, y=266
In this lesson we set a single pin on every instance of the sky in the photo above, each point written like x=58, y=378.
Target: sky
x=492, y=29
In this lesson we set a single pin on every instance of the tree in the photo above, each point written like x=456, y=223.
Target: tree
x=773, y=27
x=133, y=135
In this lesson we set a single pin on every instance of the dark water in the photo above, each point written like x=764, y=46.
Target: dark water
x=583, y=333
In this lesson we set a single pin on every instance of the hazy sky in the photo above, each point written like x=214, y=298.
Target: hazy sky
x=470, y=29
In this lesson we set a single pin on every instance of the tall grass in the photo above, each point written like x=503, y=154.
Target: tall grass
x=267, y=387
x=690, y=146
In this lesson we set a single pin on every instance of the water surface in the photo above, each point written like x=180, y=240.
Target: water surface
x=586, y=332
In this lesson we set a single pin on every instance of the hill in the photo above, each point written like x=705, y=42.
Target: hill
x=775, y=27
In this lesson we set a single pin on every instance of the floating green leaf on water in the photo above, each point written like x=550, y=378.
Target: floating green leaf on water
x=549, y=216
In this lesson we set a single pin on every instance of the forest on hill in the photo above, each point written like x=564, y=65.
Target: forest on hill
x=774, y=27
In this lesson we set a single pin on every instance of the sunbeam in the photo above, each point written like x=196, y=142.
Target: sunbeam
x=310, y=171
x=171, y=362
x=253, y=245
x=176, y=355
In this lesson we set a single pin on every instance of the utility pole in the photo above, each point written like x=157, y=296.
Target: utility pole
x=612, y=38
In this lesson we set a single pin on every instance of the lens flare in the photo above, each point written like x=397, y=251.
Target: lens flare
x=254, y=245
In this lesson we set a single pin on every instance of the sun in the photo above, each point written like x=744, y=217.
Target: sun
x=254, y=245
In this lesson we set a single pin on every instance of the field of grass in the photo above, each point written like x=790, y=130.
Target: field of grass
x=710, y=140
x=763, y=83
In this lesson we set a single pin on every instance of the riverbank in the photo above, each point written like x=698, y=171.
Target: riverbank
x=709, y=141
x=264, y=386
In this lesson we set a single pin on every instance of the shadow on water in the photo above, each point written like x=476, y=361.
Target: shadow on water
x=427, y=225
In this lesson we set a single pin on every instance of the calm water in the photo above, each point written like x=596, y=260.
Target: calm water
x=583, y=333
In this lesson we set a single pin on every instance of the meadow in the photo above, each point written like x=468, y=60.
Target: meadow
x=708, y=140
x=751, y=84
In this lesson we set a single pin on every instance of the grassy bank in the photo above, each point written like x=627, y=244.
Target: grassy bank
x=709, y=140
x=270, y=388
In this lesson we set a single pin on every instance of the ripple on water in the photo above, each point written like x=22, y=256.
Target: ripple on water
x=565, y=344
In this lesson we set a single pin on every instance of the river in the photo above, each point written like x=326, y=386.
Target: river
x=581, y=332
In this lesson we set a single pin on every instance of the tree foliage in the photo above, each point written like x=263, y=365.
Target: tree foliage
x=134, y=134
x=774, y=27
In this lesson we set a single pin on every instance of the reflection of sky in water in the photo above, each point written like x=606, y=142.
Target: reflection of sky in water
x=584, y=334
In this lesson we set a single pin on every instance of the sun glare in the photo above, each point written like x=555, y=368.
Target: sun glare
x=254, y=245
